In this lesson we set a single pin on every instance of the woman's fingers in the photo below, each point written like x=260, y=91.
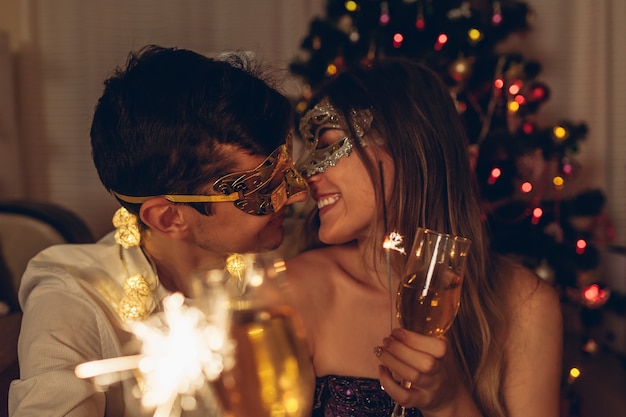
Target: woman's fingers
x=435, y=346
x=412, y=366
x=411, y=355
x=395, y=390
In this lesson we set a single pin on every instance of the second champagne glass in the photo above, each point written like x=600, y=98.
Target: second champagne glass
x=429, y=294
x=272, y=374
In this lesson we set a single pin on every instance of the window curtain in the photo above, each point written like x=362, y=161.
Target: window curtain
x=68, y=47
x=10, y=164
x=569, y=44
x=580, y=46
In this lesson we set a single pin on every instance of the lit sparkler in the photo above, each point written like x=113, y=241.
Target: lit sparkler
x=392, y=242
x=183, y=348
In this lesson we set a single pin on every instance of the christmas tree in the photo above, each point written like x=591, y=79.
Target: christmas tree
x=523, y=169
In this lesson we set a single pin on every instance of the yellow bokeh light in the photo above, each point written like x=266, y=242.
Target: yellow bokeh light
x=574, y=373
x=558, y=181
x=292, y=405
x=331, y=70
x=460, y=67
x=317, y=43
x=513, y=106
x=301, y=106
x=474, y=34
x=559, y=132
x=351, y=6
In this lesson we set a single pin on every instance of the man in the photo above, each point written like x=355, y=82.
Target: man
x=198, y=153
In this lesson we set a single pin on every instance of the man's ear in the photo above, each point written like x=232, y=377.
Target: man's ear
x=164, y=217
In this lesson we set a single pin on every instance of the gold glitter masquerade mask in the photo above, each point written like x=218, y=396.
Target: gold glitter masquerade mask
x=260, y=191
x=321, y=117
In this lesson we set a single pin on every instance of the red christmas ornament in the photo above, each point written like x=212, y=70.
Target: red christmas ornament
x=420, y=23
x=538, y=92
x=528, y=128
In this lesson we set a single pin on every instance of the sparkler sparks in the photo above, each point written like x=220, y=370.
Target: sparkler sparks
x=183, y=348
x=393, y=242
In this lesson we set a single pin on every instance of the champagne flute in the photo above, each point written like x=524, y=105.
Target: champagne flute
x=272, y=374
x=429, y=294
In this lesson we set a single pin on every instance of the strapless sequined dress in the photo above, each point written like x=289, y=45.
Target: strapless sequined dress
x=346, y=396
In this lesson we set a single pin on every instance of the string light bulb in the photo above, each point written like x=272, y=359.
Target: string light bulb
x=496, y=17
x=354, y=35
x=495, y=174
x=538, y=92
x=560, y=132
x=351, y=6
x=594, y=296
x=558, y=182
x=567, y=168
x=420, y=22
x=515, y=88
x=384, y=18
x=537, y=213
x=397, y=40
x=441, y=41
x=581, y=245
x=573, y=375
x=528, y=128
x=474, y=35
x=301, y=106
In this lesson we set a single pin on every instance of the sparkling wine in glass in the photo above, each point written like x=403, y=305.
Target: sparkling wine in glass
x=429, y=294
x=272, y=373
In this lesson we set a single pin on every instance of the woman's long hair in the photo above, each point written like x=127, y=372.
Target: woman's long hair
x=416, y=123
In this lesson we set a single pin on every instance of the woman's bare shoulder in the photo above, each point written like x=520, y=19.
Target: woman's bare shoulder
x=309, y=273
x=534, y=345
x=527, y=287
x=534, y=302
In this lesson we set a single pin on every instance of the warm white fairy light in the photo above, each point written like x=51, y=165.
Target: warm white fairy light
x=182, y=349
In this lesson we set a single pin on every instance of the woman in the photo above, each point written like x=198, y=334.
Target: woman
x=385, y=151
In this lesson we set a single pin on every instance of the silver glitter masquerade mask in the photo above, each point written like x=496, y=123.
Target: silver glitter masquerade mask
x=321, y=117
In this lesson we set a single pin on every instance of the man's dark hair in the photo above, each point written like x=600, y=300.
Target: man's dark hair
x=162, y=122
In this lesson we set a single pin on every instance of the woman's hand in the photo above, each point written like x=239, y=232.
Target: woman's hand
x=427, y=364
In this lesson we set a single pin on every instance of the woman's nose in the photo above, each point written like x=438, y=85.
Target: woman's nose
x=312, y=179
